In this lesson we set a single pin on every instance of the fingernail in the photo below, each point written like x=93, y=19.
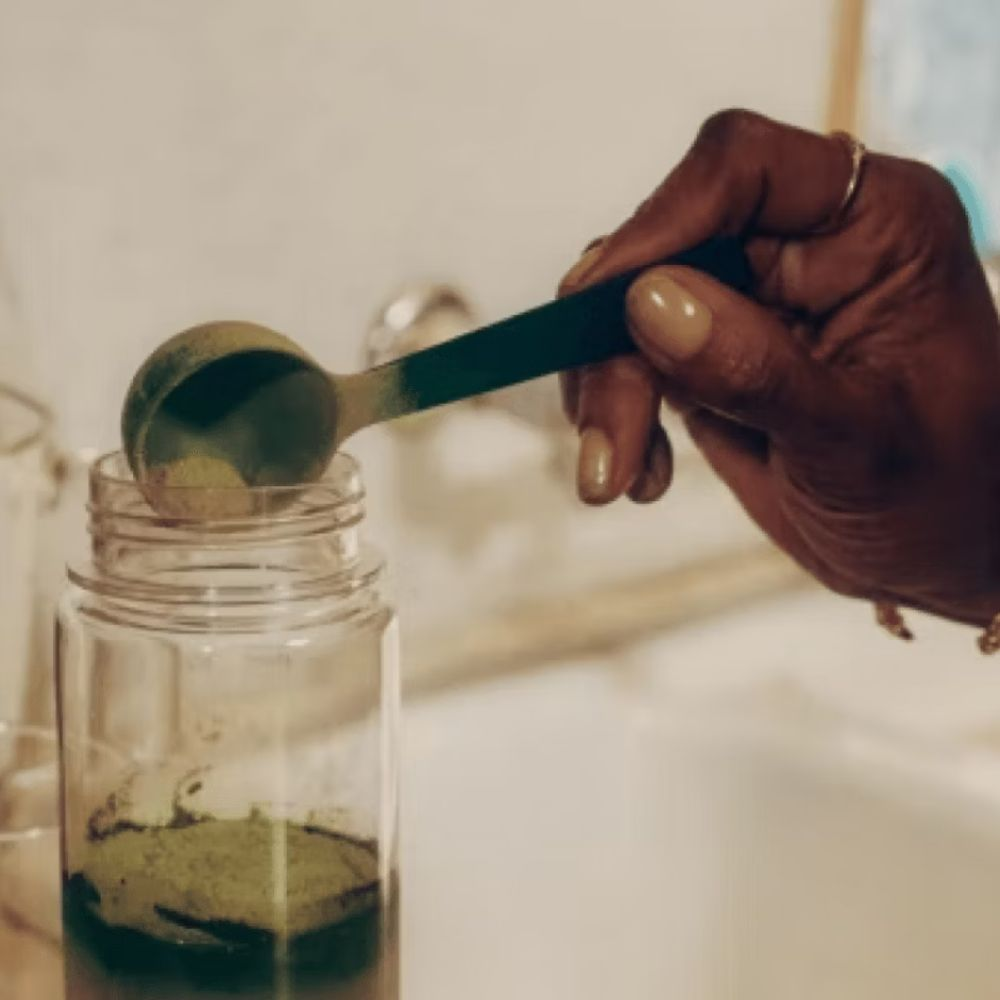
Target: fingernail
x=668, y=316
x=594, y=470
x=655, y=478
x=576, y=274
x=647, y=488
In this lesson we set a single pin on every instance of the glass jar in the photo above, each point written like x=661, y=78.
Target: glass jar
x=228, y=706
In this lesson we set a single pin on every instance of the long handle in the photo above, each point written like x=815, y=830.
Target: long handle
x=581, y=329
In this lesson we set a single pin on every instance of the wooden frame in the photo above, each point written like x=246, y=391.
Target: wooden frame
x=847, y=66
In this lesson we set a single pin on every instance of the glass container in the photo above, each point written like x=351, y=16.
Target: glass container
x=30, y=925
x=236, y=834
x=24, y=485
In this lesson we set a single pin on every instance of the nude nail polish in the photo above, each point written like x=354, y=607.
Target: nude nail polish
x=595, y=466
x=667, y=317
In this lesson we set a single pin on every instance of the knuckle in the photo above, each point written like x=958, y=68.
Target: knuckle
x=932, y=212
x=726, y=161
x=632, y=368
x=590, y=377
x=750, y=383
x=939, y=194
x=933, y=184
x=729, y=126
x=621, y=385
x=628, y=373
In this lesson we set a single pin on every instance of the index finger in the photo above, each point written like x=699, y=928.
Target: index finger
x=744, y=175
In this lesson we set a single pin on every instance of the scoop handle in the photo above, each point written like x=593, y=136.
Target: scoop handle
x=581, y=329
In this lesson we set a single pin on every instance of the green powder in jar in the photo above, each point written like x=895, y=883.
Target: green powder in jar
x=254, y=908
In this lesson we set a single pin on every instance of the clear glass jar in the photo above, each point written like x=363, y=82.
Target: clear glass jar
x=236, y=834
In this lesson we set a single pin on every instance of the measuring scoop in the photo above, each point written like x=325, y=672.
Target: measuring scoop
x=233, y=404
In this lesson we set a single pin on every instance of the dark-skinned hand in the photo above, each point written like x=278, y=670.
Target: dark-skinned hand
x=852, y=404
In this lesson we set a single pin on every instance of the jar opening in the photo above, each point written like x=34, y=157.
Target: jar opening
x=261, y=545
x=336, y=498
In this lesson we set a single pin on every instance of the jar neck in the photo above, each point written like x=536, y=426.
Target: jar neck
x=258, y=545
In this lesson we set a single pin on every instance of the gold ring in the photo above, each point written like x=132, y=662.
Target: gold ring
x=858, y=152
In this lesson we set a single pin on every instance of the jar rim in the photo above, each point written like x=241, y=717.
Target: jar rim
x=341, y=484
x=297, y=542
x=115, y=493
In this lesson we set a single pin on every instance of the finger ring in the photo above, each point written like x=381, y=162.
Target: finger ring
x=858, y=152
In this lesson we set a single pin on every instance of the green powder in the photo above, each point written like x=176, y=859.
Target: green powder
x=250, y=908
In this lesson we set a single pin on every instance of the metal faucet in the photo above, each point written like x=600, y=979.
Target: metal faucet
x=468, y=484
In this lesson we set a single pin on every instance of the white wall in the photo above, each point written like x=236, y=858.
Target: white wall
x=166, y=163
x=293, y=161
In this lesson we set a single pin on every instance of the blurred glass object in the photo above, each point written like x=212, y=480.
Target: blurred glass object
x=16, y=361
x=421, y=315
x=479, y=486
x=933, y=91
x=32, y=479
x=25, y=488
x=30, y=923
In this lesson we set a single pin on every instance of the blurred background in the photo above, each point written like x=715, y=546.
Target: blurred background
x=303, y=163
x=717, y=781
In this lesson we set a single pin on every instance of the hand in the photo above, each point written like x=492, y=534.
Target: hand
x=853, y=405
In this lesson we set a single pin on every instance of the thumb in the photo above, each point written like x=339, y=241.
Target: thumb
x=730, y=355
